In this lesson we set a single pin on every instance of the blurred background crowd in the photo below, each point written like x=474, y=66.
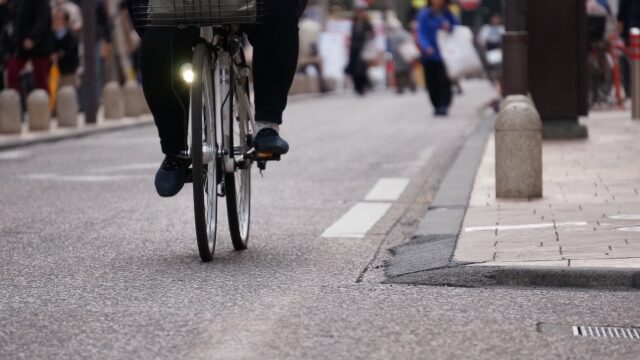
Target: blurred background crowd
x=41, y=44
x=364, y=45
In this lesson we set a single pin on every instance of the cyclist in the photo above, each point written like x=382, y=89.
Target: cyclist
x=164, y=51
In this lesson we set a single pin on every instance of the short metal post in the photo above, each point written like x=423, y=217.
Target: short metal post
x=635, y=73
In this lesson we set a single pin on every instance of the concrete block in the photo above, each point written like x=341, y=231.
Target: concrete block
x=299, y=84
x=10, y=112
x=113, y=101
x=518, y=144
x=38, y=111
x=67, y=107
x=313, y=85
x=132, y=99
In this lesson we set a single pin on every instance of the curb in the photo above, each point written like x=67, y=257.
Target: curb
x=427, y=258
x=435, y=239
x=599, y=278
x=456, y=275
x=87, y=130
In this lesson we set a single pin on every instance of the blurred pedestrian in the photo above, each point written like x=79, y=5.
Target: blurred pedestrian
x=310, y=30
x=33, y=41
x=490, y=35
x=74, y=12
x=490, y=45
x=127, y=44
x=404, y=52
x=104, y=41
x=65, y=54
x=6, y=43
x=436, y=17
x=361, y=34
x=628, y=18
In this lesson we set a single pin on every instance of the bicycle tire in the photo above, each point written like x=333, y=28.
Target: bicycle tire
x=238, y=183
x=203, y=134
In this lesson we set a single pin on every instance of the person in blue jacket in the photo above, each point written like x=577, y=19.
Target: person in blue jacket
x=435, y=17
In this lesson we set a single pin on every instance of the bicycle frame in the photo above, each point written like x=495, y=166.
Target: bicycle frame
x=230, y=74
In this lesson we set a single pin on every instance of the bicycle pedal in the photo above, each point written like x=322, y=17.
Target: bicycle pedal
x=267, y=156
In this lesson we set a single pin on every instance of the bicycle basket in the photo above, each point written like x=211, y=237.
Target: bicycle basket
x=176, y=13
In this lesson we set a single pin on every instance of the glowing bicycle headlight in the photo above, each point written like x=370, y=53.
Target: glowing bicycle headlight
x=186, y=72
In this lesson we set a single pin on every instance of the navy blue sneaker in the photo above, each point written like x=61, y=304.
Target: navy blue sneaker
x=269, y=141
x=172, y=175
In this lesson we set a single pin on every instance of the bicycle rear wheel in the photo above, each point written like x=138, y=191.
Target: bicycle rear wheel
x=204, y=150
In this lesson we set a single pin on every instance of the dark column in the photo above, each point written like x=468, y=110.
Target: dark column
x=89, y=78
x=558, y=65
x=515, y=48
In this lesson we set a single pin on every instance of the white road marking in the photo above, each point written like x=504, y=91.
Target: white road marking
x=625, y=217
x=629, y=229
x=357, y=221
x=80, y=178
x=14, y=155
x=522, y=227
x=387, y=189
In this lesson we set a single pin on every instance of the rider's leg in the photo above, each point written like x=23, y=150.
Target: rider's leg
x=162, y=53
x=275, y=59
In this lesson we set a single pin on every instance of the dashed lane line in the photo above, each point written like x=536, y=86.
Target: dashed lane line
x=357, y=221
x=387, y=189
x=365, y=214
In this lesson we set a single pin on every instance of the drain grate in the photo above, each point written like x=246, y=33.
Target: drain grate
x=607, y=332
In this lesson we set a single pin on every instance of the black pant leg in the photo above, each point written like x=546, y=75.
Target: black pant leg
x=431, y=78
x=445, y=87
x=162, y=53
x=275, y=58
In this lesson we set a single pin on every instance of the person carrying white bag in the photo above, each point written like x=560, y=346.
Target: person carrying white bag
x=460, y=56
x=432, y=19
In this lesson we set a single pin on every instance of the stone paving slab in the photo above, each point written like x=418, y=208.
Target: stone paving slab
x=589, y=216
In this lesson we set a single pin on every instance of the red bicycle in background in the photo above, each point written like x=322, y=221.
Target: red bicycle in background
x=605, y=80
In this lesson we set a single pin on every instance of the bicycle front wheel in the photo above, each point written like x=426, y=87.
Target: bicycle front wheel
x=238, y=183
x=204, y=152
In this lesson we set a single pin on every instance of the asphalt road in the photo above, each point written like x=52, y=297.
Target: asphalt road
x=94, y=265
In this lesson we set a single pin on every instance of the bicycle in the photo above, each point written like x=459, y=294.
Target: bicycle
x=221, y=122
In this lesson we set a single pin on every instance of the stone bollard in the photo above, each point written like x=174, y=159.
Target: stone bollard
x=67, y=107
x=313, y=84
x=10, y=112
x=517, y=98
x=299, y=84
x=518, y=152
x=113, y=101
x=38, y=111
x=132, y=101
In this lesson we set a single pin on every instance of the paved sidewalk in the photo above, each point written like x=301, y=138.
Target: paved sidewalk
x=589, y=216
